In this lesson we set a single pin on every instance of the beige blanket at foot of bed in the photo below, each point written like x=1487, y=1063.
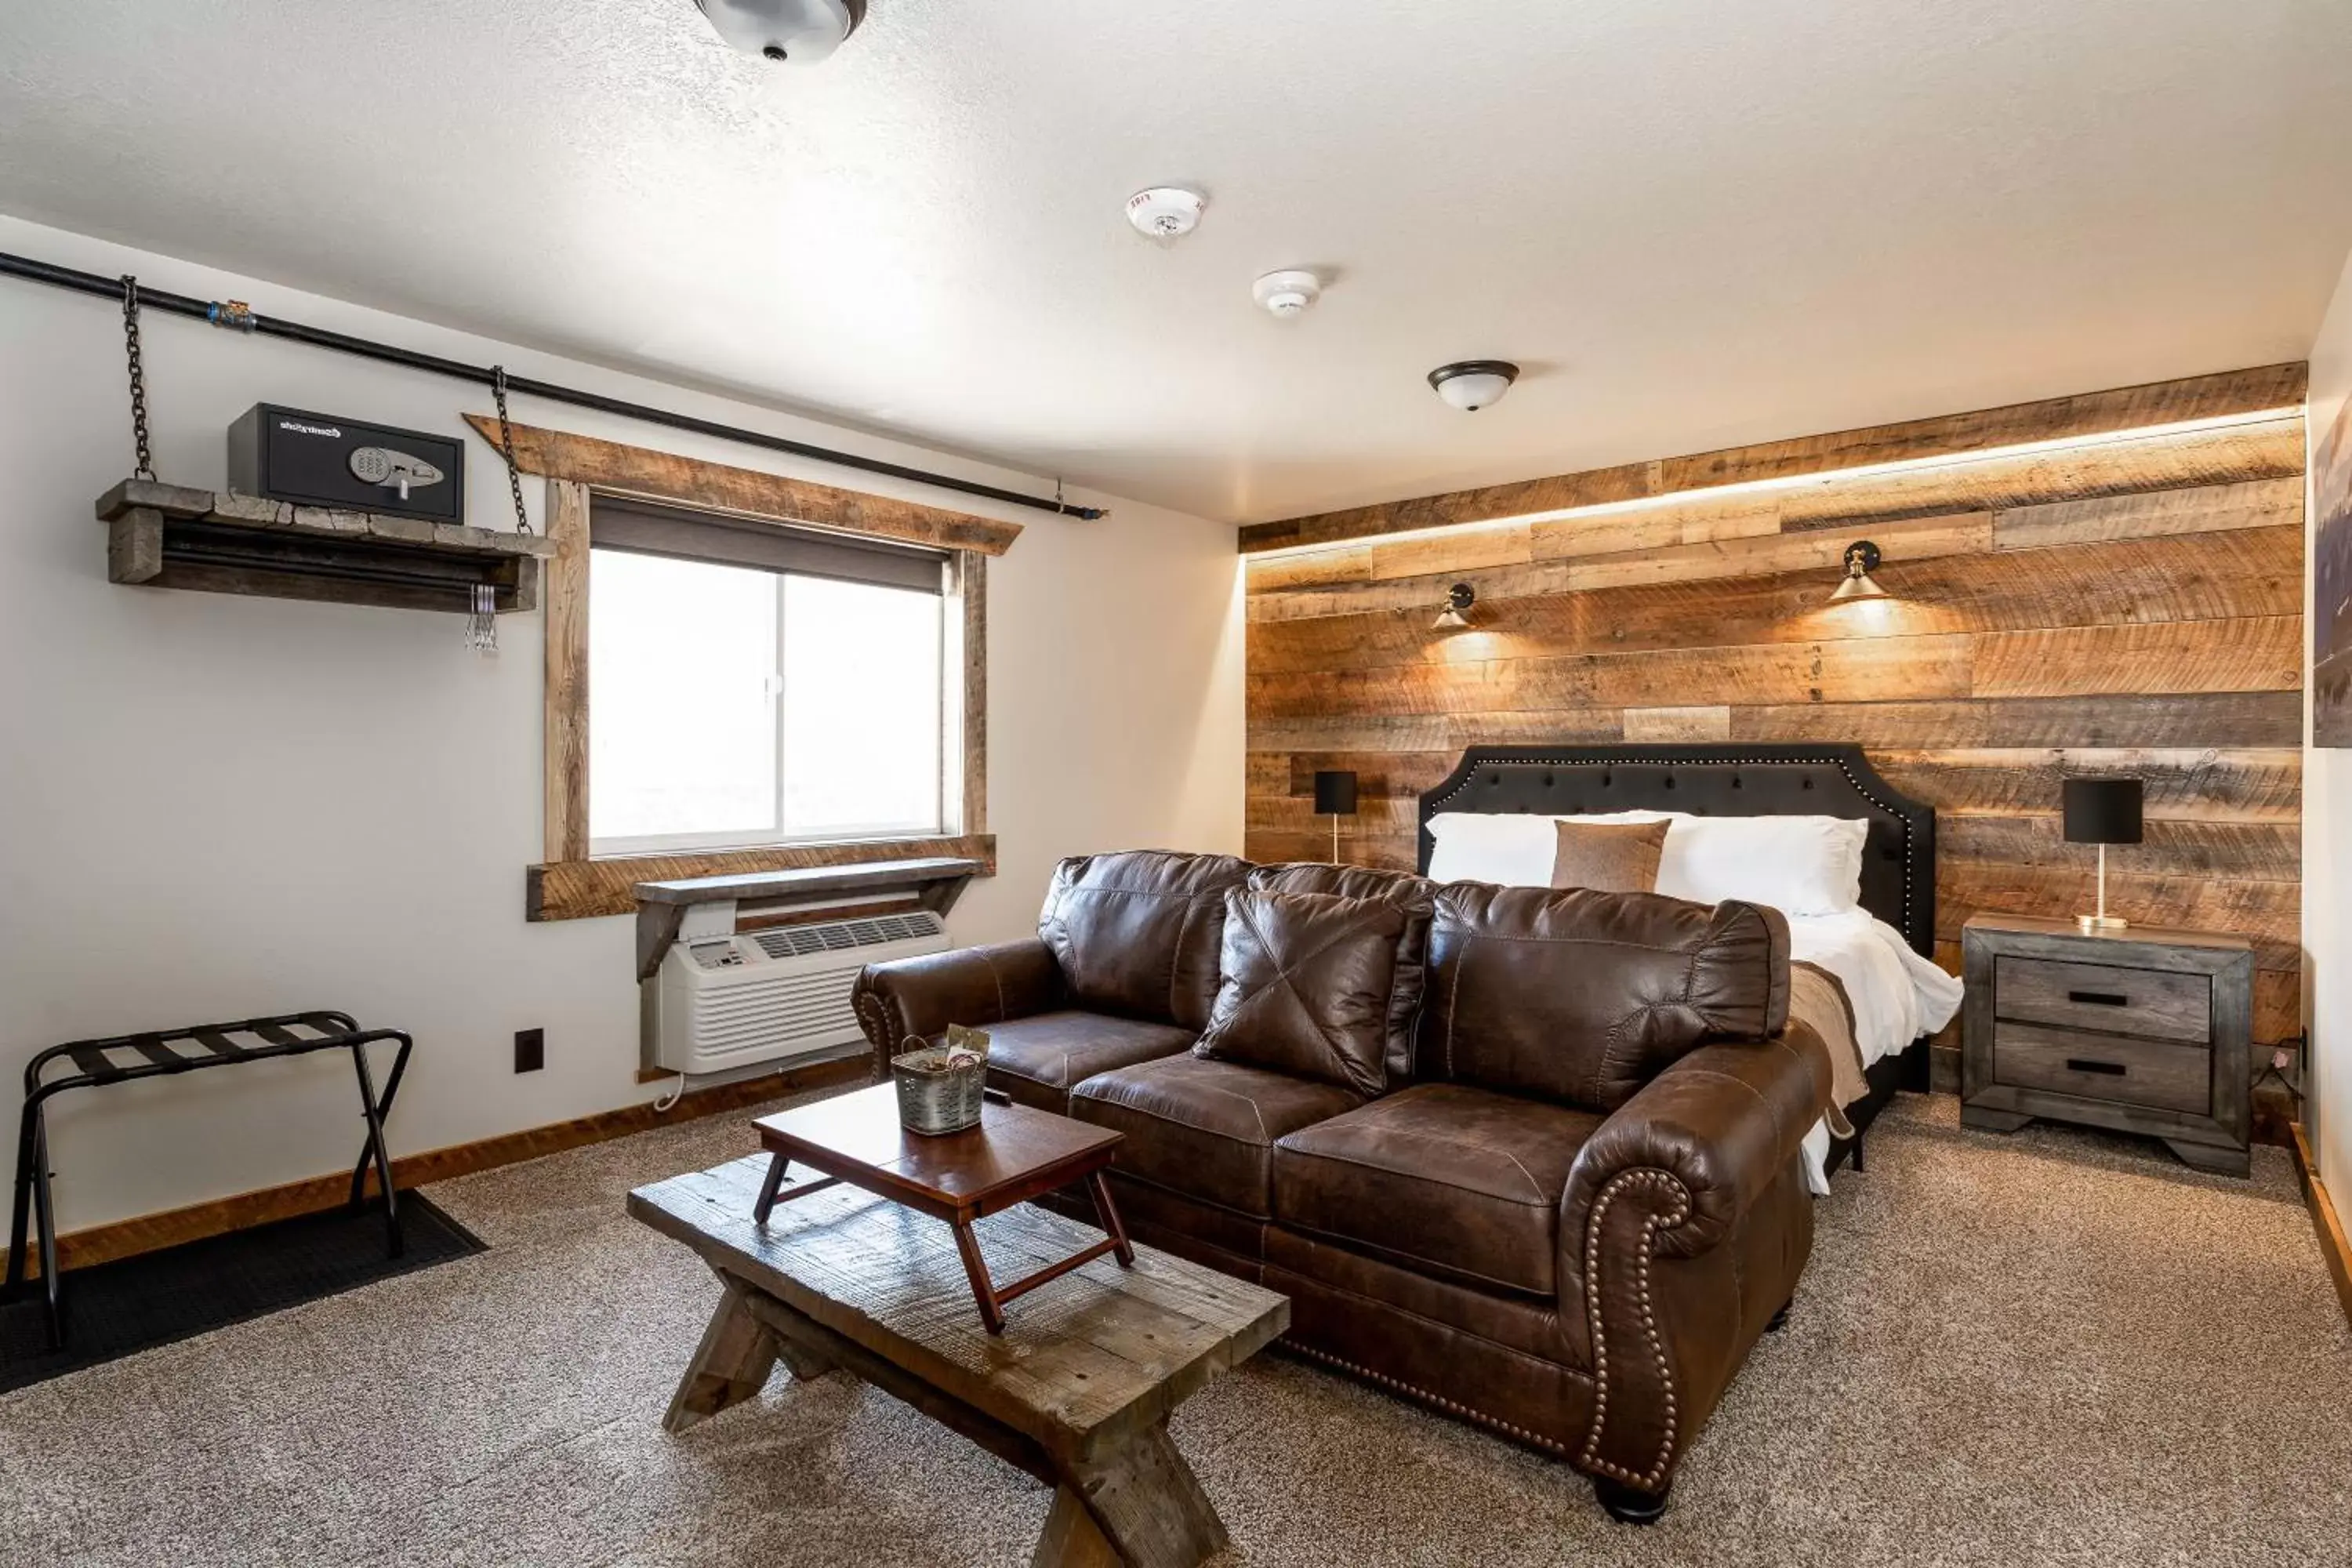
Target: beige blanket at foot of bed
x=1816, y=998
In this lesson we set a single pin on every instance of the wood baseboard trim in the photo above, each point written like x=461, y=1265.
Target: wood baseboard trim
x=2333, y=1244
x=148, y=1233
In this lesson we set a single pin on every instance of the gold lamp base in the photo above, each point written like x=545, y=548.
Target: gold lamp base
x=2100, y=922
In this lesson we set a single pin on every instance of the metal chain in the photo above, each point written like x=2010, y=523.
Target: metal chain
x=506, y=446
x=146, y=465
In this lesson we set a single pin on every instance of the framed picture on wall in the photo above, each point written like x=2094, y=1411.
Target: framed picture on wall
x=2331, y=586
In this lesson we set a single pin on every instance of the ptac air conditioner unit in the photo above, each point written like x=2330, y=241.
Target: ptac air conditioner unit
x=730, y=1001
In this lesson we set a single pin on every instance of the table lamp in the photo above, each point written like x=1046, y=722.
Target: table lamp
x=2102, y=812
x=1335, y=797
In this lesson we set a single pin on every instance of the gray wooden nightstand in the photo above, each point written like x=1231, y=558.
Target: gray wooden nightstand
x=2140, y=1030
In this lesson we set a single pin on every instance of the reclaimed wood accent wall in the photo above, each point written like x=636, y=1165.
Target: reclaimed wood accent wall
x=2130, y=603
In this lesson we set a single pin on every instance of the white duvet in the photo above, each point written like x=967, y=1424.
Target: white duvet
x=1897, y=996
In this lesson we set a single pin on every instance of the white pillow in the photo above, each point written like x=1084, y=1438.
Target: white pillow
x=1516, y=849
x=1799, y=865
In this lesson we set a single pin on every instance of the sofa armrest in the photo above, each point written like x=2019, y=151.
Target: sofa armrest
x=1660, y=1186
x=974, y=986
x=1722, y=1123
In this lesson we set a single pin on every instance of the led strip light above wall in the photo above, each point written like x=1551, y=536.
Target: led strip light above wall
x=1782, y=483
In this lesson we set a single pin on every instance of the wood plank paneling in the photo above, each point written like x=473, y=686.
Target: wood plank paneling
x=2257, y=652
x=1953, y=436
x=2194, y=577
x=2253, y=503
x=2203, y=785
x=2131, y=607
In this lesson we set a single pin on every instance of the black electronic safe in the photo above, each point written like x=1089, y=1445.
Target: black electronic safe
x=316, y=459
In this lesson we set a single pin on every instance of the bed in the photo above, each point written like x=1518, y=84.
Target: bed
x=1897, y=874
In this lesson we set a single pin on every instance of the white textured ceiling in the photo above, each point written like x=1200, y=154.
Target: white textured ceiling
x=1694, y=223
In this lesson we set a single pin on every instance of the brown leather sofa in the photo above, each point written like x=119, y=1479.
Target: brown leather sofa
x=1528, y=1156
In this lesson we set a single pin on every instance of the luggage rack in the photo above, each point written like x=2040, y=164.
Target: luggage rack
x=209, y=1045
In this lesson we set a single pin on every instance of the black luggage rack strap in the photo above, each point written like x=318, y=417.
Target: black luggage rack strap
x=209, y=1045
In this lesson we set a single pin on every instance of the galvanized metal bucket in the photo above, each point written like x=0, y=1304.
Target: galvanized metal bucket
x=935, y=1097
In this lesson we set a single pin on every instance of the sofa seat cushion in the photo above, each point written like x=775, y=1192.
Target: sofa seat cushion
x=1206, y=1127
x=1455, y=1180
x=1037, y=1059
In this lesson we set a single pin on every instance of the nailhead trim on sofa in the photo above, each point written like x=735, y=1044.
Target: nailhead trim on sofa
x=1651, y=1225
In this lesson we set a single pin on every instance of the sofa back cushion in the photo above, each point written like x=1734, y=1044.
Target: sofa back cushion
x=1304, y=988
x=1416, y=897
x=1136, y=932
x=1580, y=997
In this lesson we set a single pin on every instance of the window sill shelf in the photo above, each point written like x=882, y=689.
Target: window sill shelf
x=607, y=885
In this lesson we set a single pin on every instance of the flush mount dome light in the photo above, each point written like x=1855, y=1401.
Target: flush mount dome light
x=1472, y=384
x=799, y=31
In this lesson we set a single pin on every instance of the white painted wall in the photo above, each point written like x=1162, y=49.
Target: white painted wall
x=213, y=807
x=2327, y=822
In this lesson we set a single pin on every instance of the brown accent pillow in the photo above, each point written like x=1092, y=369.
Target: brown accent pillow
x=1415, y=895
x=1608, y=856
x=1305, y=981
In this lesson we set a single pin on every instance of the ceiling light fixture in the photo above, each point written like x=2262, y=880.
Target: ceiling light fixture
x=1288, y=292
x=1472, y=384
x=1862, y=559
x=1458, y=598
x=800, y=31
x=1165, y=212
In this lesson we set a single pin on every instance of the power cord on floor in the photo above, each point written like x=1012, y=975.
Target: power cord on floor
x=2290, y=1049
x=675, y=1090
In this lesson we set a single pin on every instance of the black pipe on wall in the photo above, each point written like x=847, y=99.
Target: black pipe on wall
x=106, y=288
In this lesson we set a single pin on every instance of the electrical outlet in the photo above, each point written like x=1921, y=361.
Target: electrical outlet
x=530, y=1050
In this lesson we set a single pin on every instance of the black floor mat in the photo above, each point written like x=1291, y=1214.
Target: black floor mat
x=137, y=1303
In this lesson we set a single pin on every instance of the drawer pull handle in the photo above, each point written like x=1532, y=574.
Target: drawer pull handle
x=2113, y=1069
x=2099, y=998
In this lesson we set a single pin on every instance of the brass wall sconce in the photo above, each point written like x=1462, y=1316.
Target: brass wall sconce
x=1862, y=558
x=1458, y=598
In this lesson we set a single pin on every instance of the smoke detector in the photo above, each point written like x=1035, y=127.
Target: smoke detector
x=1165, y=212
x=1288, y=292
x=800, y=31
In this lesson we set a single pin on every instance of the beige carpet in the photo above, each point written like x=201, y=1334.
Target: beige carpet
x=2051, y=1348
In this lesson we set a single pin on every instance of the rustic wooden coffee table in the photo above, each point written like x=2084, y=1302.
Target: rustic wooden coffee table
x=1076, y=1391
x=1015, y=1154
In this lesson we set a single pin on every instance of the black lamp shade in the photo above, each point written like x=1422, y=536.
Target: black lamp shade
x=1334, y=793
x=2101, y=811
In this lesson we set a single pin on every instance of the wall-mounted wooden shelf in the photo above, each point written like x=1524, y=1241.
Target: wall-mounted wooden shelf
x=166, y=536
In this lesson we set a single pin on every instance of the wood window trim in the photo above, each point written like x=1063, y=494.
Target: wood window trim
x=573, y=884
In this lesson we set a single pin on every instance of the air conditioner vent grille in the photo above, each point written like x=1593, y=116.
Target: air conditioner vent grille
x=841, y=936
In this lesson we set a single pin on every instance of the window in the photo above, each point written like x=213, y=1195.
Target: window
x=756, y=684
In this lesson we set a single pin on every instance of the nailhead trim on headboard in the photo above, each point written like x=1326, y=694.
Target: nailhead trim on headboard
x=1480, y=760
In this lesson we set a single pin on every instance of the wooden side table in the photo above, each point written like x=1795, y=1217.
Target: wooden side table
x=2141, y=1030
x=1016, y=1153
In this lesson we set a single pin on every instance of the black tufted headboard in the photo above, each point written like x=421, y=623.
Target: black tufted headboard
x=1898, y=860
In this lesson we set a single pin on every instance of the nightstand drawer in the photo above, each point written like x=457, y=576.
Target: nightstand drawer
x=2167, y=1076
x=2154, y=1003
